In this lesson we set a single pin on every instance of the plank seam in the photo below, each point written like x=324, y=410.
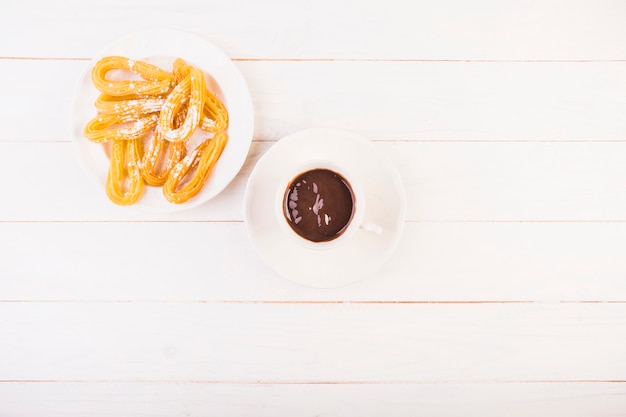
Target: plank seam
x=313, y=382
x=309, y=302
x=408, y=60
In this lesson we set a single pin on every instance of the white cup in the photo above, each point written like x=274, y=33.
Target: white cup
x=354, y=225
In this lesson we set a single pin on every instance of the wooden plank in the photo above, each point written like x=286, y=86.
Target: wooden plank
x=30, y=92
x=210, y=262
x=442, y=100
x=260, y=400
x=506, y=296
x=312, y=343
x=443, y=182
x=394, y=29
x=425, y=101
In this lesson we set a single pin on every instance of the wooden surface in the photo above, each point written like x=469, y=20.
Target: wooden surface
x=505, y=297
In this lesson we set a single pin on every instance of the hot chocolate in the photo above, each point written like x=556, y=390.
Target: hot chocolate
x=319, y=204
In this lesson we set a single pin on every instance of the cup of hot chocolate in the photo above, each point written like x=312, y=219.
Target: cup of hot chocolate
x=320, y=205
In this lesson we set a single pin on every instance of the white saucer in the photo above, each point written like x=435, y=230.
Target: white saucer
x=354, y=259
x=161, y=47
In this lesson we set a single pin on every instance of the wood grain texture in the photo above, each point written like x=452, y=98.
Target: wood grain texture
x=328, y=29
x=492, y=262
x=506, y=295
x=308, y=343
x=158, y=399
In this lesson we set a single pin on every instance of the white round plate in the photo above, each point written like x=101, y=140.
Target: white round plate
x=353, y=259
x=162, y=47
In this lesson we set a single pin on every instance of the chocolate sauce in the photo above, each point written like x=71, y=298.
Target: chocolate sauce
x=318, y=205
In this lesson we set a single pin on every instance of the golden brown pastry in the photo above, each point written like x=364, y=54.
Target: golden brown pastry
x=155, y=80
x=194, y=170
x=124, y=184
x=161, y=112
x=160, y=158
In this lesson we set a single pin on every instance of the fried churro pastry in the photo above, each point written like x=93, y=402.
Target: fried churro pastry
x=191, y=91
x=124, y=184
x=214, y=114
x=198, y=164
x=155, y=80
x=109, y=127
x=131, y=105
x=163, y=153
x=150, y=122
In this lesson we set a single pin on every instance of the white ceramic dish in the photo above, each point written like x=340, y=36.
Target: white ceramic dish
x=337, y=265
x=162, y=47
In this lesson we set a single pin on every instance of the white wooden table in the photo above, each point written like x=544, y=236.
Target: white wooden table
x=505, y=297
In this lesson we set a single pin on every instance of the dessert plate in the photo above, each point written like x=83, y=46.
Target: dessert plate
x=353, y=259
x=161, y=47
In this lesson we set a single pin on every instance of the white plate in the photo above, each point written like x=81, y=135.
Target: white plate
x=162, y=47
x=354, y=259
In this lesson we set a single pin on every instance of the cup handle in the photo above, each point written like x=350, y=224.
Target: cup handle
x=372, y=228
